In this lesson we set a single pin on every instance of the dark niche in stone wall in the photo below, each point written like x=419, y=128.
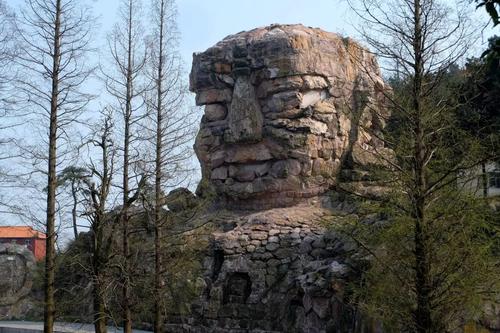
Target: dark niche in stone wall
x=238, y=288
x=217, y=263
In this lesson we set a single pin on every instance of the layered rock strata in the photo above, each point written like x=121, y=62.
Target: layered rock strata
x=286, y=107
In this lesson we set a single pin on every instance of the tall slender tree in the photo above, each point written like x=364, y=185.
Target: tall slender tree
x=128, y=51
x=173, y=130
x=55, y=36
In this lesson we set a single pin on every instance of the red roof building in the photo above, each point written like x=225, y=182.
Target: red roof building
x=27, y=236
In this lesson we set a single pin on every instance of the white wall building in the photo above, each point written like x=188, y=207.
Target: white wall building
x=475, y=183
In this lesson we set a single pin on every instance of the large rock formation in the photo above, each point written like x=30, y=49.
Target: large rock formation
x=290, y=112
x=16, y=270
x=278, y=270
x=286, y=109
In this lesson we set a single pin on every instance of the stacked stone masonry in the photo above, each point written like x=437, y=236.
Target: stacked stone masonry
x=289, y=112
x=276, y=271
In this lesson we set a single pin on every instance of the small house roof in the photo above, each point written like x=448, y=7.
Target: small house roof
x=20, y=232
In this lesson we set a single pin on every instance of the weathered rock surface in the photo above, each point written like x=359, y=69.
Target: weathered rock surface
x=286, y=107
x=290, y=111
x=180, y=199
x=279, y=270
x=16, y=269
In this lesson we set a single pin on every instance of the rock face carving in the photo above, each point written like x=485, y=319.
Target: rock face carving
x=16, y=269
x=290, y=111
x=286, y=107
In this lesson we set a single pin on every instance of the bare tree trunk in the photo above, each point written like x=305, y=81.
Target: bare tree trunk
x=49, y=312
x=98, y=266
x=99, y=305
x=129, y=58
x=127, y=317
x=172, y=133
x=158, y=318
x=73, y=209
x=422, y=281
x=101, y=246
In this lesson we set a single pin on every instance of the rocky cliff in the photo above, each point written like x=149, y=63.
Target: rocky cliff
x=290, y=112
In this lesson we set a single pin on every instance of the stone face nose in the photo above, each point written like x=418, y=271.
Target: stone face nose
x=244, y=115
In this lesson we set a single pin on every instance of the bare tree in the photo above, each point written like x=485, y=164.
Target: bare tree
x=98, y=189
x=56, y=36
x=128, y=54
x=7, y=51
x=172, y=128
x=7, y=54
x=417, y=41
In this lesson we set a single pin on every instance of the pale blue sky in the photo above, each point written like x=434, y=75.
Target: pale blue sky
x=202, y=23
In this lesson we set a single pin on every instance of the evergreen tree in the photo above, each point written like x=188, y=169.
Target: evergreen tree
x=431, y=267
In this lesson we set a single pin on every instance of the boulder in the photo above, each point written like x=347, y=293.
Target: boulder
x=17, y=265
x=180, y=199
